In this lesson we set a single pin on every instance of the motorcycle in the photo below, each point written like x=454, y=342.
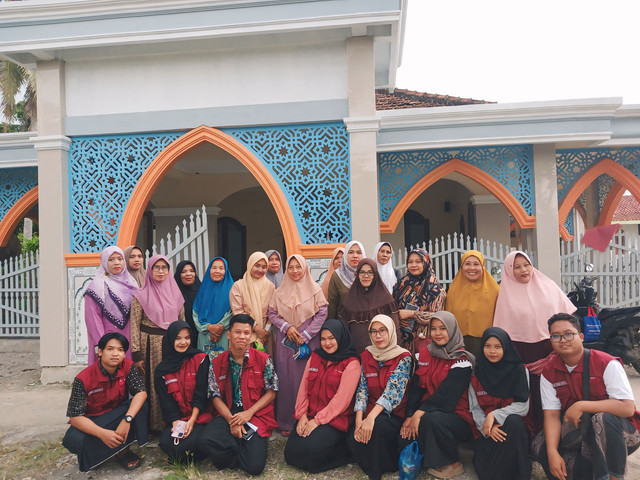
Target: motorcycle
x=620, y=327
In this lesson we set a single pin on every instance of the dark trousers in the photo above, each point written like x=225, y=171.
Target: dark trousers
x=91, y=451
x=324, y=449
x=438, y=436
x=381, y=454
x=181, y=449
x=508, y=460
x=227, y=451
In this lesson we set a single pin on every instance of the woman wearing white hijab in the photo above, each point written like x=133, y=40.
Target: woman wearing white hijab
x=384, y=259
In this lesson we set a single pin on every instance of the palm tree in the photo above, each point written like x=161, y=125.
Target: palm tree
x=19, y=116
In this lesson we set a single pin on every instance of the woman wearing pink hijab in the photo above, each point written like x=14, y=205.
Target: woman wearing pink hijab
x=527, y=299
x=155, y=306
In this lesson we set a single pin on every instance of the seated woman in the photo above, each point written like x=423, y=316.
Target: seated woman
x=189, y=284
x=211, y=308
x=438, y=403
x=134, y=258
x=275, y=273
x=334, y=264
x=383, y=255
x=343, y=277
x=367, y=298
x=323, y=406
x=380, y=400
x=418, y=295
x=499, y=401
x=181, y=382
x=472, y=299
x=251, y=295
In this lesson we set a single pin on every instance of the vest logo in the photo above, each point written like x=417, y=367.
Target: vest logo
x=481, y=392
x=96, y=390
x=423, y=364
x=313, y=369
x=222, y=377
x=560, y=384
x=172, y=380
x=369, y=375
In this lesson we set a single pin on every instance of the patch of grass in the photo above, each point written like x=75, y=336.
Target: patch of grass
x=16, y=461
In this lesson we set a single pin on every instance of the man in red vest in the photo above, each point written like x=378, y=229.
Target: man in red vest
x=611, y=432
x=107, y=409
x=243, y=383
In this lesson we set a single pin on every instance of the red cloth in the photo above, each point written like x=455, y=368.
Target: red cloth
x=182, y=384
x=103, y=395
x=377, y=377
x=600, y=237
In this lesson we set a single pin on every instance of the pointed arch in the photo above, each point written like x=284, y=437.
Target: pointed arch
x=171, y=155
x=611, y=203
x=16, y=213
x=474, y=173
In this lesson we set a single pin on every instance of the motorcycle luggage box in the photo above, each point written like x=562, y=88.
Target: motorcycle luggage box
x=610, y=312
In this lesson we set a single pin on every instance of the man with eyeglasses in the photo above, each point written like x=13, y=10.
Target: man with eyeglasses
x=613, y=431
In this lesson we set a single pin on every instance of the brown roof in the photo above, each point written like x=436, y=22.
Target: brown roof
x=401, y=98
x=628, y=209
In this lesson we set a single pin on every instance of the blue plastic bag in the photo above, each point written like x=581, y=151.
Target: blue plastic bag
x=410, y=462
x=591, y=326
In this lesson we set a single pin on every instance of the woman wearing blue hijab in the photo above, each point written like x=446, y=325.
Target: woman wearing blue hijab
x=211, y=309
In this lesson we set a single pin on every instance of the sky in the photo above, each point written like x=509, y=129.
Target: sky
x=520, y=51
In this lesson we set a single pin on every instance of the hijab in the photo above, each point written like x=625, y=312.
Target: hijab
x=363, y=303
x=523, y=309
x=454, y=348
x=275, y=278
x=172, y=360
x=343, y=337
x=139, y=274
x=506, y=378
x=330, y=270
x=256, y=293
x=112, y=293
x=473, y=303
x=212, y=300
x=161, y=301
x=346, y=272
x=392, y=350
x=421, y=290
x=189, y=292
x=387, y=273
x=298, y=301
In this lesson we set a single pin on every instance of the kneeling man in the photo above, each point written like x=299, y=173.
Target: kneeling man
x=612, y=431
x=244, y=385
x=107, y=408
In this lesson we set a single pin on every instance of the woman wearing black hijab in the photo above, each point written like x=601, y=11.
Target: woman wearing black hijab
x=181, y=382
x=499, y=401
x=324, y=403
x=188, y=282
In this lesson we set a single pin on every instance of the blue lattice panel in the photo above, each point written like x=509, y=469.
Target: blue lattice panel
x=14, y=183
x=511, y=165
x=568, y=222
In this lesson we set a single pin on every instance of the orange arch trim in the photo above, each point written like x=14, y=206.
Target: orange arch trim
x=611, y=203
x=456, y=165
x=173, y=152
x=17, y=213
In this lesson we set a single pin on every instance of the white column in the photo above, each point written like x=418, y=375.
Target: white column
x=363, y=128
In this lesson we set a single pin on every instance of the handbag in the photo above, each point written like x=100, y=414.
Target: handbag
x=571, y=436
x=592, y=326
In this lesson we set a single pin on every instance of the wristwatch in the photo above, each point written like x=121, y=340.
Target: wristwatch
x=128, y=419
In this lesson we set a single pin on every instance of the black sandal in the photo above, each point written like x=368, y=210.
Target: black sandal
x=129, y=461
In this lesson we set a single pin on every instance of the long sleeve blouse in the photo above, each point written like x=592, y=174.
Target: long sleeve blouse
x=309, y=329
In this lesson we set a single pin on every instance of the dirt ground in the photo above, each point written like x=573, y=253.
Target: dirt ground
x=33, y=421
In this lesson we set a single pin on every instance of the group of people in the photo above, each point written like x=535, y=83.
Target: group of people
x=354, y=369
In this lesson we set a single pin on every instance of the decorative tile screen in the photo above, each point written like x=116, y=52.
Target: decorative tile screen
x=512, y=166
x=14, y=183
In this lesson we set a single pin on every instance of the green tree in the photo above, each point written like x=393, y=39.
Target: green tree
x=18, y=115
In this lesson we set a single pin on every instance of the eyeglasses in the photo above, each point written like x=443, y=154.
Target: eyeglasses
x=362, y=273
x=380, y=332
x=567, y=336
x=157, y=268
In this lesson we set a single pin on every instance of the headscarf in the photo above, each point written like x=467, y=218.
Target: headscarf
x=330, y=270
x=343, y=337
x=346, y=272
x=298, y=301
x=523, y=309
x=139, y=274
x=392, y=350
x=256, y=293
x=212, y=301
x=420, y=290
x=473, y=303
x=161, y=301
x=387, y=273
x=361, y=304
x=454, y=348
x=171, y=359
x=112, y=293
x=189, y=292
x=506, y=378
x=275, y=278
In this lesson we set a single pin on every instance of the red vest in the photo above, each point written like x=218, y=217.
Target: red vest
x=182, y=384
x=431, y=373
x=568, y=386
x=251, y=386
x=323, y=381
x=377, y=377
x=103, y=395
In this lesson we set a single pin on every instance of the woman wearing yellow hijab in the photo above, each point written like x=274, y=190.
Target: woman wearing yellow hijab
x=472, y=299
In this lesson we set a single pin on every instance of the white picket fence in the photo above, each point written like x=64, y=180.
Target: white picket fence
x=616, y=270
x=19, y=299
